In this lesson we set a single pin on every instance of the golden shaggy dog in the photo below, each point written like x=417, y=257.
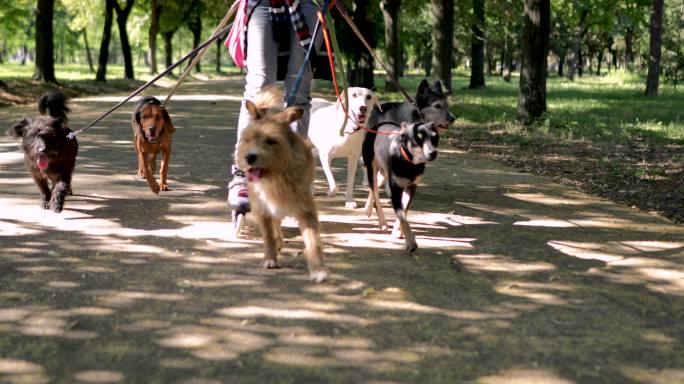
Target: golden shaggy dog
x=280, y=172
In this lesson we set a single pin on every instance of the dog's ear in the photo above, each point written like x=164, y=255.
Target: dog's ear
x=168, y=125
x=423, y=87
x=254, y=112
x=19, y=128
x=291, y=114
x=135, y=122
x=376, y=102
x=437, y=88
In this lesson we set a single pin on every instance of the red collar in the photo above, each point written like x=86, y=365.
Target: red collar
x=405, y=155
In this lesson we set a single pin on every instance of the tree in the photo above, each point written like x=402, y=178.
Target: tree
x=653, y=77
x=155, y=8
x=442, y=40
x=360, y=61
x=390, y=13
x=45, y=59
x=477, y=56
x=121, y=20
x=533, y=71
x=103, y=57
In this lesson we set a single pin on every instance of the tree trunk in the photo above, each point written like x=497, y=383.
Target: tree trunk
x=45, y=56
x=561, y=63
x=477, y=57
x=104, y=46
x=121, y=20
x=576, y=55
x=390, y=13
x=507, y=59
x=442, y=41
x=195, y=26
x=533, y=66
x=152, y=35
x=219, y=50
x=168, y=48
x=600, y=60
x=89, y=56
x=629, y=48
x=653, y=77
x=361, y=65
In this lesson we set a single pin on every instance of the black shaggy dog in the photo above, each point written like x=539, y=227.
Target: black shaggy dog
x=49, y=154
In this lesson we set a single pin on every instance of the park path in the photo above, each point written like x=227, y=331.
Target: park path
x=517, y=279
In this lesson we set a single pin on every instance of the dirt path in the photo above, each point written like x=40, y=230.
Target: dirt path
x=517, y=279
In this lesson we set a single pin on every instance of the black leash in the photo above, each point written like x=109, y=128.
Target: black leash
x=72, y=135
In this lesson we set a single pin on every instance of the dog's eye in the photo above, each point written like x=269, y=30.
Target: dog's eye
x=438, y=106
x=368, y=97
x=353, y=94
x=270, y=142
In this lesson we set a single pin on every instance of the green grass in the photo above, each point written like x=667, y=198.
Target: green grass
x=609, y=108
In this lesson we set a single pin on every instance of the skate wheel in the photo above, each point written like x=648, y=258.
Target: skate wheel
x=237, y=223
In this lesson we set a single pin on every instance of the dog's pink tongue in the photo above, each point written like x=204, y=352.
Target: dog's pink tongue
x=42, y=161
x=254, y=174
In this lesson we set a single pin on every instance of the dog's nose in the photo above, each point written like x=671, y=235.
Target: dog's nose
x=451, y=118
x=363, y=109
x=250, y=158
x=152, y=128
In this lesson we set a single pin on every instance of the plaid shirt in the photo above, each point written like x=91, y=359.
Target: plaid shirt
x=283, y=13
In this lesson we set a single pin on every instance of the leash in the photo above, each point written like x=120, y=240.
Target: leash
x=300, y=74
x=354, y=28
x=72, y=135
x=193, y=63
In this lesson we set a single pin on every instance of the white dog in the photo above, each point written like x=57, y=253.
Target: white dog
x=324, y=131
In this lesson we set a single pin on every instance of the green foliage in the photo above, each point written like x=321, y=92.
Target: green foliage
x=608, y=108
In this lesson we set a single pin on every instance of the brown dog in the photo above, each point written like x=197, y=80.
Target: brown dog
x=280, y=171
x=152, y=133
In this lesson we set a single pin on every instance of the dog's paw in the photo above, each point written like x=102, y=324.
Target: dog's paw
x=140, y=176
x=57, y=208
x=411, y=247
x=397, y=234
x=350, y=204
x=270, y=264
x=45, y=204
x=164, y=187
x=155, y=188
x=332, y=192
x=318, y=275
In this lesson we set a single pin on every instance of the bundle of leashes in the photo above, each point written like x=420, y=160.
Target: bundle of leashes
x=324, y=22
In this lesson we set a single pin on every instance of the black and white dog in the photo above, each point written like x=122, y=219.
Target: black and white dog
x=403, y=137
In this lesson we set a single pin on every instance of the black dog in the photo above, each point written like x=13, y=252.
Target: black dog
x=401, y=147
x=399, y=155
x=49, y=154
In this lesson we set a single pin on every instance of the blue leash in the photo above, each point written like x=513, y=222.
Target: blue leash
x=298, y=80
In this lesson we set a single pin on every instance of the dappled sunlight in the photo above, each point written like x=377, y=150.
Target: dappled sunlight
x=523, y=376
x=504, y=264
x=535, y=292
x=99, y=376
x=48, y=322
x=633, y=262
x=118, y=299
x=654, y=376
x=22, y=371
x=550, y=223
x=176, y=98
x=541, y=198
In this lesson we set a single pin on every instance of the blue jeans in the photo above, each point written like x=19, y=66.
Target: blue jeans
x=261, y=63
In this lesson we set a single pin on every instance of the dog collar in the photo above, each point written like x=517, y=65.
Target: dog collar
x=405, y=155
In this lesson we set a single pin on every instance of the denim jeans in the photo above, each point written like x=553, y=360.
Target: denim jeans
x=261, y=63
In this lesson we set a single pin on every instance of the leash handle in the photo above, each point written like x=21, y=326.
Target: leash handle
x=72, y=135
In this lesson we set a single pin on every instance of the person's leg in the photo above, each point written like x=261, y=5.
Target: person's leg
x=297, y=54
x=261, y=69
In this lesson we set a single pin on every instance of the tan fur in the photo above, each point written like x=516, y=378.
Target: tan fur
x=143, y=117
x=285, y=163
